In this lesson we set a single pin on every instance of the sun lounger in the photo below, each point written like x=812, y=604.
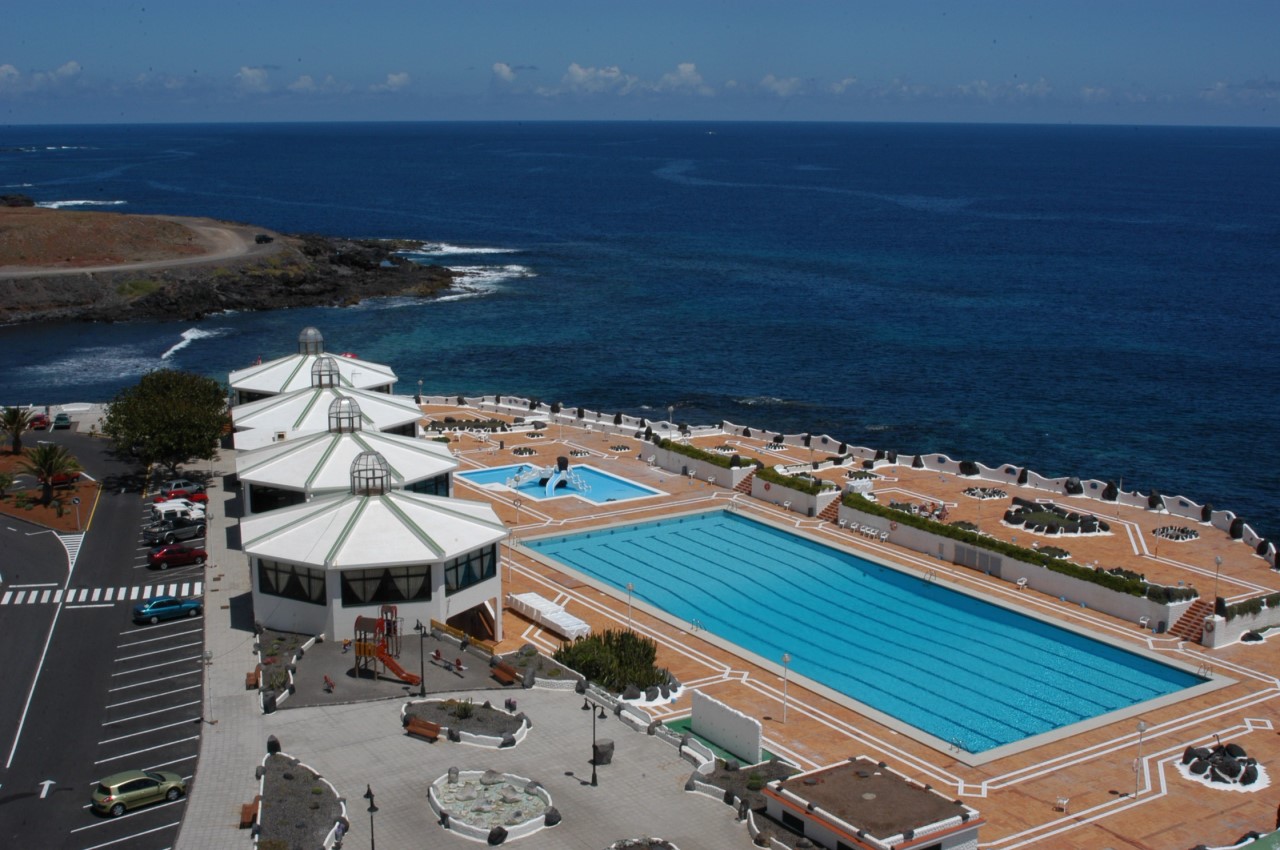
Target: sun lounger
x=548, y=614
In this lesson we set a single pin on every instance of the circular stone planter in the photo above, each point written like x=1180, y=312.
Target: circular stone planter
x=643, y=844
x=473, y=731
x=474, y=803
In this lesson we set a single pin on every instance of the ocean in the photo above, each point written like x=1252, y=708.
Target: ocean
x=1093, y=301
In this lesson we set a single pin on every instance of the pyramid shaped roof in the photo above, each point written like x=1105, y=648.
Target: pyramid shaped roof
x=395, y=528
x=321, y=463
x=307, y=412
x=291, y=373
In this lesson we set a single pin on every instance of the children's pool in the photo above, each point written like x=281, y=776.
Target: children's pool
x=600, y=486
x=973, y=674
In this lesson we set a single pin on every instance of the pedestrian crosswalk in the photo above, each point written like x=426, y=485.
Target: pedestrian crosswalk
x=52, y=595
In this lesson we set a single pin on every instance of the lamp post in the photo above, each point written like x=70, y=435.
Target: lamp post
x=1137, y=764
x=630, y=588
x=1217, y=570
x=419, y=391
x=671, y=416
x=786, y=660
x=368, y=795
x=422, y=658
x=208, y=690
x=587, y=706
x=511, y=539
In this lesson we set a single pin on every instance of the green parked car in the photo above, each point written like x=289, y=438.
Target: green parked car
x=122, y=791
x=62, y=420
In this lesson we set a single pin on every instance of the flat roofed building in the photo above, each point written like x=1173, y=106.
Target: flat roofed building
x=293, y=372
x=319, y=565
x=863, y=805
x=293, y=471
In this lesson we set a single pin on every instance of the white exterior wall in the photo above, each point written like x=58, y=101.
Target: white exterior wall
x=703, y=471
x=288, y=615
x=727, y=727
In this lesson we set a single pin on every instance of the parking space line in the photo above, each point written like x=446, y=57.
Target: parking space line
x=157, y=629
x=184, y=722
x=133, y=835
x=152, y=696
x=152, y=681
x=173, y=761
x=154, y=639
x=156, y=652
x=167, y=708
x=99, y=605
x=161, y=664
x=147, y=749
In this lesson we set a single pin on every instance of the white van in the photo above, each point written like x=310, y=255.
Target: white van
x=161, y=511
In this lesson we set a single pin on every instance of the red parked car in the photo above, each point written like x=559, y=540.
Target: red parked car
x=39, y=422
x=176, y=555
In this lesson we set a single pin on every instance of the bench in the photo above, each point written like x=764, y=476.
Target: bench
x=505, y=673
x=249, y=813
x=252, y=678
x=422, y=728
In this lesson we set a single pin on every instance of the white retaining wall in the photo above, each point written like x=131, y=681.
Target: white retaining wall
x=727, y=727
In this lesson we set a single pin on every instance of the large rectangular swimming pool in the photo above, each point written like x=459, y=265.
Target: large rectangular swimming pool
x=973, y=674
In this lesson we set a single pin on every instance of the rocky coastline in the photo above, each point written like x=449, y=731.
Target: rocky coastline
x=58, y=265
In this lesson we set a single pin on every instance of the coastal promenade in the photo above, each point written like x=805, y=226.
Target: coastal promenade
x=1108, y=784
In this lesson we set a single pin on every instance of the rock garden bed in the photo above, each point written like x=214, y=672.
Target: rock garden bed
x=745, y=784
x=298, y=809
x=466, y=716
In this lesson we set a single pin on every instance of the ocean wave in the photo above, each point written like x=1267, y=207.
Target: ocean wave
x=18, y=185
x=98, y=363
x=442, y=249
x=56, y=205
x=763, y=401
x=389, y=302
x=189, y=336
x=478, y=281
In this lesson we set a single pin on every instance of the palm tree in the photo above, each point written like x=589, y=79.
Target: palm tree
x=46, y=462
x=14, y=421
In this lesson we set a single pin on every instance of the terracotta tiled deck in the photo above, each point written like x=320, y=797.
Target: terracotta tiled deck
x=1018, y=795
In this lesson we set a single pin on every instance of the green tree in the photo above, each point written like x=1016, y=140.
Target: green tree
x=14, y=421
x=46, y=462
x=168, y=418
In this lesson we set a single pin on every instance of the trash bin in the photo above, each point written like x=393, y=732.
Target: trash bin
x=502, y=444
x=602, y=751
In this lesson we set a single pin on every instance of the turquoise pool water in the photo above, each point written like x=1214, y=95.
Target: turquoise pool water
x=602, y=487
x=971, y=673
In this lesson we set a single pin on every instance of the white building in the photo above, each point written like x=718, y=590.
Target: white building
x=277, y=418
x=318, y=565
x=295, y=470
x=291, y=373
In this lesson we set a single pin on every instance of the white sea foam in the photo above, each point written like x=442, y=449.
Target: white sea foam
x=441, y=249
x=55, y=205
x=478, y=281
x=189, y=336
x=103, y=363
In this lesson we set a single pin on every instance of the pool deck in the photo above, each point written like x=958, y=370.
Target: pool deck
x=1021, y=796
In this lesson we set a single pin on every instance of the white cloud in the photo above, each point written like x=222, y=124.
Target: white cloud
x=840, y=86
x=504, y=72
x=685, y=79
x=593, y=80
x=305, y=83
x=1095, y=94
x=1250, y=91
x=781, y=86
x=9, y=77
x=251, y=79
x=393, y=82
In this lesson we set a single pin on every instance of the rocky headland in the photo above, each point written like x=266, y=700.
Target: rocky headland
x=71, y=265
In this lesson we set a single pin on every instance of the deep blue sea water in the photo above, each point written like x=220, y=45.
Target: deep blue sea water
x=1096, y=301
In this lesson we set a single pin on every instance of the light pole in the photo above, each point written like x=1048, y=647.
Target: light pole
x=786, y=660
x=1137, y=764
x=419, y=391
x=511, y=539
x=422, y=658
x=368, y=795
x=1217, y=570
x=208, y=690
x=671, y=416
x=586, y=706
x=630, y=587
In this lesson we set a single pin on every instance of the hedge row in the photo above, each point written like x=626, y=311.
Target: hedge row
x=1253, y=606
x=697, y=453
x=809, y=486
x=1118, y=583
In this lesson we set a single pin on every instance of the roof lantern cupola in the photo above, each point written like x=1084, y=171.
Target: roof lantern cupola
x=369, y=475
x=310, y=341
x=344, y=416
x=324, y=372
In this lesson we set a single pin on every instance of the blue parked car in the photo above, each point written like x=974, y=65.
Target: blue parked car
x=165, y=608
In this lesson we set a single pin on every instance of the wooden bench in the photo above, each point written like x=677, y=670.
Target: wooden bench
x=252, y=678
x=422, y=728
x=505, y=673
x=249, y=813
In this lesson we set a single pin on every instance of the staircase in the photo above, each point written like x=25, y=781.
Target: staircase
x=1190, y=626
x=831, y=513
x=744, y=486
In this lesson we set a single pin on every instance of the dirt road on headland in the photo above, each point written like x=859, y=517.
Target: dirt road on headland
x=37, y=242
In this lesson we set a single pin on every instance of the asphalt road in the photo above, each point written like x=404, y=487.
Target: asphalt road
x=88, y=692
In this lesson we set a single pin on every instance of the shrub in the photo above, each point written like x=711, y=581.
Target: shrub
x=804, y=485
x=614, y=659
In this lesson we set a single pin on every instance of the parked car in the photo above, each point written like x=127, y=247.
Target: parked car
x=173, y=530
x=39, y=422
x=122, y=791
x=65, y=479
x=189, y=495
x=62, y=420
x=181, y=484
x=159, y=608
x=176, y=555
x=165, y=509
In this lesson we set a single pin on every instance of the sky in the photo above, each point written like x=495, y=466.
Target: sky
x=985, y=61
